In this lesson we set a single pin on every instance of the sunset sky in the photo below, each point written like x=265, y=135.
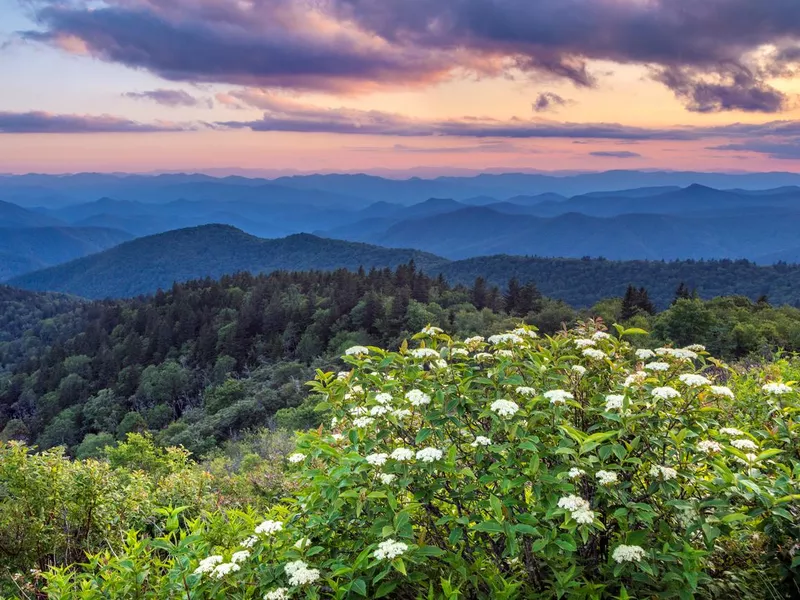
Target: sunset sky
x=359, y=85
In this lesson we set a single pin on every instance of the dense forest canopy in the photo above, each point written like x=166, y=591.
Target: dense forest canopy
x=205, y=360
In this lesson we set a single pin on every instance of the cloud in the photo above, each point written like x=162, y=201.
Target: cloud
x=774, y=149
x=172, y=98
x=43, y=122
x=615, y=154
x=485, y=146
x=716, y=55
x=548, y=101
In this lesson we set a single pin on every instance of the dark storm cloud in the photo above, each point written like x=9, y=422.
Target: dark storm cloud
x=705, y=51
x=42, y=122
x=615, y=154
x=548, y=101
x=171, y=98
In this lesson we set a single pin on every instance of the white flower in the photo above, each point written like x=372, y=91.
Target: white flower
x=462, y=352
x=356, y=351
x=522, y=332
x=625, y=553
x=526, y=391
x=731, y=431
x=300, y=574
x=504, y=408
x=483, y=356
x=504, y=353
x=358, y=411
x=363, y=421
x=377, y=460
x=657, y=366
x=751, y=457
x=665, y=472
x=221, y=570
x=695, y=348
x=277, y=594
x=505, y=338
x=721, y=391
x=269, y=527
x=579, y=509
x=481, y=440
x=379, y=411
x=600, y=335
x=401, y=413
x=249, y=542
x=342, y=375
x=693, y=380
x=439, y=364
x=644, y=353
x=402, y=454
x=425, y=353
x=296, y=457
x=575, y=472
x=594, y=354
x=585, y=343
x=474, y=340
x=389, y=549
x=606, y=477
x=635, y=379
x=207, y=564
x=614, y=401
x=429, y=455
x=665, y=393
x=430, y=330
x=777, y=389
x=387, y=478
x=679, y=353
x=383, y=398
x=558, y=396
x=418, y=398
x=302, y=543
x=240, y=556
x=337, y=437
x=709, y=446
x=744, y=444
x=579, y=369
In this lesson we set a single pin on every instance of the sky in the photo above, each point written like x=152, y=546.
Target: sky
x=421, y=86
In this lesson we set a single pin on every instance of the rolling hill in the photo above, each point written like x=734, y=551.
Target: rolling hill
x=146, y=264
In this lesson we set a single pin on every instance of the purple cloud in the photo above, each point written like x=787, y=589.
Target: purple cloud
x=172, y=98
x=548, y=101
x=712, y=54
x=615, y=154
x=43, y=122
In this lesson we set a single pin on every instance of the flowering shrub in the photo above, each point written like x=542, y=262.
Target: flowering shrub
x=514, y=467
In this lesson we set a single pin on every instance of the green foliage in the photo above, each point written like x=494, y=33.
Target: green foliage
x=518, y=467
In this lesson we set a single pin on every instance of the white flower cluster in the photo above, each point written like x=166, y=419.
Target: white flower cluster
x=579, y=369
x=277, y=594
x=402, y=454
x=721, y=391
x=269, y=527
x=505, y=338
x=300, y=574
x=387, y=478
x=429, y=455
x=644, y=353
x=462, y=352
x=614, y=401
x=625, y=553
x=731, y=431
x=379, y=411
x=558, y=396
x=585, y=343
x=390, y=549
x=693, y=380
x=296, y=457
x=678, y=353
x=522, y=332
x=425, y=353
x=240, y=556
x=744, y=444
x=207, y=564
x=474, y=340
x=377, y=460
x=504, y=408
x=504, y=353
x=362, y=422
x=665, y=393
x=575, y=473
x=418, y=398
x=383, y=398
x=594, y=354
x=665, y=473
x=526, y=391
x=657, y=366
x=635, y=379
x=579, y=509
x=481, y=440
x=430, y=330
x=224, y=569
x=356, y=351
x=709, y=446
x=778, y=389
x=600, y=335
x=606, y=477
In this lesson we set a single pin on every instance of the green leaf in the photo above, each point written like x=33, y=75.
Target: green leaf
x=359, y=586
x=488, y=527
x=497, y=507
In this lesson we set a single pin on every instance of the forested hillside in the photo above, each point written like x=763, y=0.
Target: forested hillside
x=204, y=360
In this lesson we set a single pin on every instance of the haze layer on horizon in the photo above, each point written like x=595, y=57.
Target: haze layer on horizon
x=366, y=85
